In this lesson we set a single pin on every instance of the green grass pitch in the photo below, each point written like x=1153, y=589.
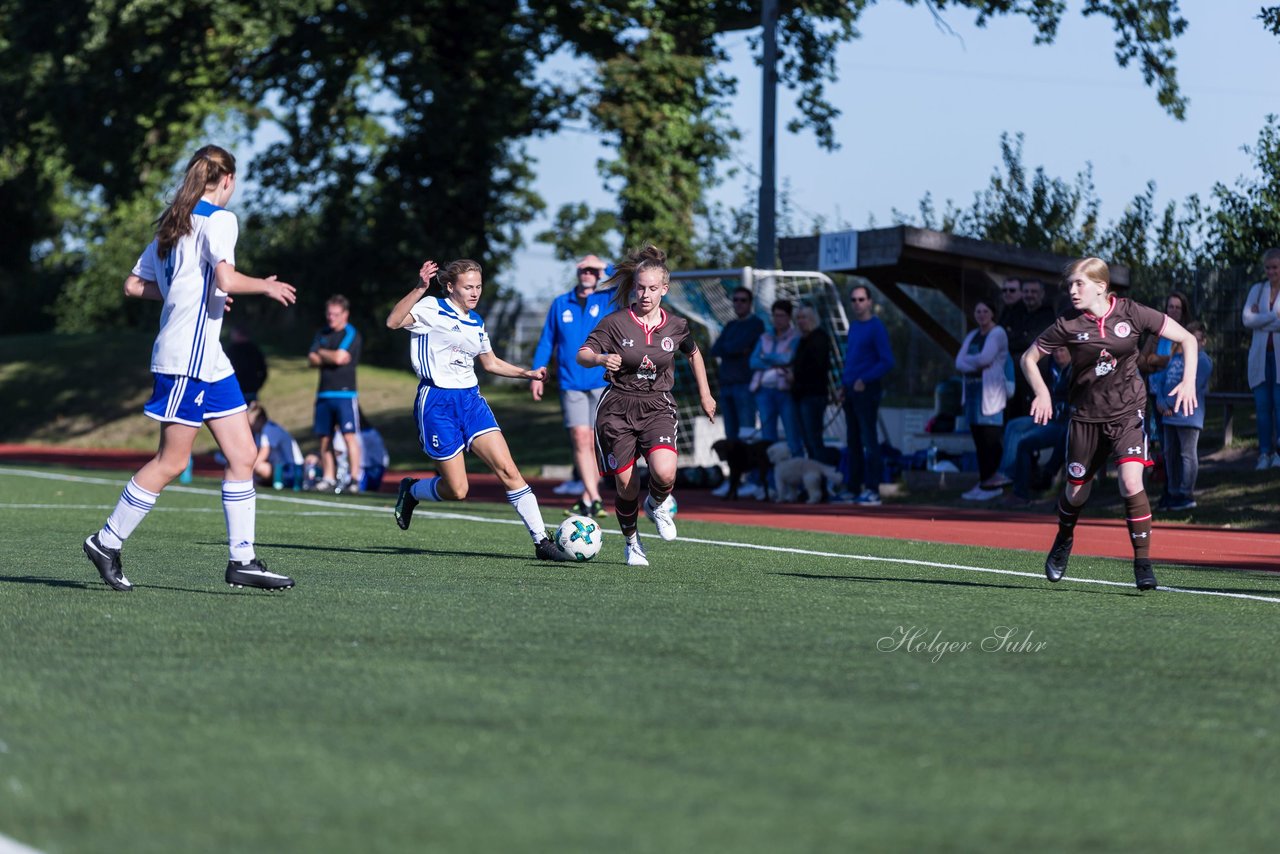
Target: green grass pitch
x=440, y=689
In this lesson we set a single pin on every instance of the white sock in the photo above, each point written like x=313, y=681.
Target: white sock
x=134, y=505
x=427, y=489
x=240, y=504
x=526, y=504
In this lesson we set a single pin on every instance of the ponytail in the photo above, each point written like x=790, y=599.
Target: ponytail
x=649, y=257
x=206, y=168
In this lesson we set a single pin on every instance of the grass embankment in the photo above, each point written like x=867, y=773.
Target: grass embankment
x=70, y=390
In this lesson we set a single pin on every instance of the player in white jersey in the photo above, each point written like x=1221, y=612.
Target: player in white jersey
x=190, y=266
x=447, y=337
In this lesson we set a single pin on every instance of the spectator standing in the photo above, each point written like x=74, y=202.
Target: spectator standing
x=1011, y=307
x=810, y=382
x=1182, y=431
x=1156, y=352
x=771, y=360
x=1106, y=400
x=570, y=320
x=1261, y=315
x=1036, y=317
x=336, y=352
x=190, y=266
x=981, y=360
x=867, y=359
x=733, y=348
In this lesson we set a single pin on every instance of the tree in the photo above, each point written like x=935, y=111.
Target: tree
x=659, y=95
x=1246, y=219
x=101, y=98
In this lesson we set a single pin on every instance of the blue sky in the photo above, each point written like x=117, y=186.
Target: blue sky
x=923, y=110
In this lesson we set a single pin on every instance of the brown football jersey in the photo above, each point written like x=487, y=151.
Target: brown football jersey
x=648, y=353
x=1106, y=385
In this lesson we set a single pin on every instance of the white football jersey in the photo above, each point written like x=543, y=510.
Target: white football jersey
x=444, y=343
x=191, y=321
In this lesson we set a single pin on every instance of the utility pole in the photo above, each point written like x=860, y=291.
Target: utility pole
x=766, y=228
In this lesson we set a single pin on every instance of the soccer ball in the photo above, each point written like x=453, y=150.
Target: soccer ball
x=579, y=537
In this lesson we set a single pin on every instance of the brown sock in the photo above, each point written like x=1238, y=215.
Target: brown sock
x=628, y=509
x=1137, y=515
x=1068, y=515
x=659, y=491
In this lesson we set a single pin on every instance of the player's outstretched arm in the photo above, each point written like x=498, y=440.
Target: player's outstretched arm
x=1184, y=393
x=1042, y=405
x=232, y=281
x=704, y=389
x=501, y=368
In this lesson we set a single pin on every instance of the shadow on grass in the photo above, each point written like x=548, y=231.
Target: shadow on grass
x=393, y=551
x=50, y=582
x=941, y=581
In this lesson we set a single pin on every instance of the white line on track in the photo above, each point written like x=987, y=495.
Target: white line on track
x=348, y=506
x=13, y=846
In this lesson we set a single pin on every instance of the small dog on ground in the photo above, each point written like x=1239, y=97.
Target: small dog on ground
x=794, y=474
x=743, y=458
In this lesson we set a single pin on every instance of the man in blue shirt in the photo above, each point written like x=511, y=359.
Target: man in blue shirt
x=867, y=359
x=733, y=348
x=336, y=352
x=570, y=320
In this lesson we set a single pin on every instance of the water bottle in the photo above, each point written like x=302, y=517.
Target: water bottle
x=933, y=456
x=277, y=476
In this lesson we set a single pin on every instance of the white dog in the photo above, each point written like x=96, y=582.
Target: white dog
x=792, y=475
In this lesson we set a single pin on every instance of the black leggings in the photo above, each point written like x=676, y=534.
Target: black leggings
x=989, y=442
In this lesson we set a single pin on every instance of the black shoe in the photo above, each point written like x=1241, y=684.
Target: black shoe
x=254, y=573
x=577, y=508
x=405, y=502
x=108, y=563
x=598, y=510
x=1055, y=565
x=546, y=549
x=1144, y=576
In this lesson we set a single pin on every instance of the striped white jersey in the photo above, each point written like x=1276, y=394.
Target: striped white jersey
x=191, y=321
x=444, y=343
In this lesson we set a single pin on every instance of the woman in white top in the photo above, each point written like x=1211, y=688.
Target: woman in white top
x=191, y=267
x=1262, y=315
x=447, y=338
x=981, y=360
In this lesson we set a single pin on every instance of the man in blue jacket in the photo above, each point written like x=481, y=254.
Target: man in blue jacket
x=733, y=348
x=570, y=320
x=867, y=359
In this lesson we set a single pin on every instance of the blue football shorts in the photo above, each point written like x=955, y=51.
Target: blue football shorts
x=187, y=400
x=449, y=419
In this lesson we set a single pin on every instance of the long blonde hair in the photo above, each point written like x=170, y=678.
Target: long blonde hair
x=206, y=168
x=648, y=257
